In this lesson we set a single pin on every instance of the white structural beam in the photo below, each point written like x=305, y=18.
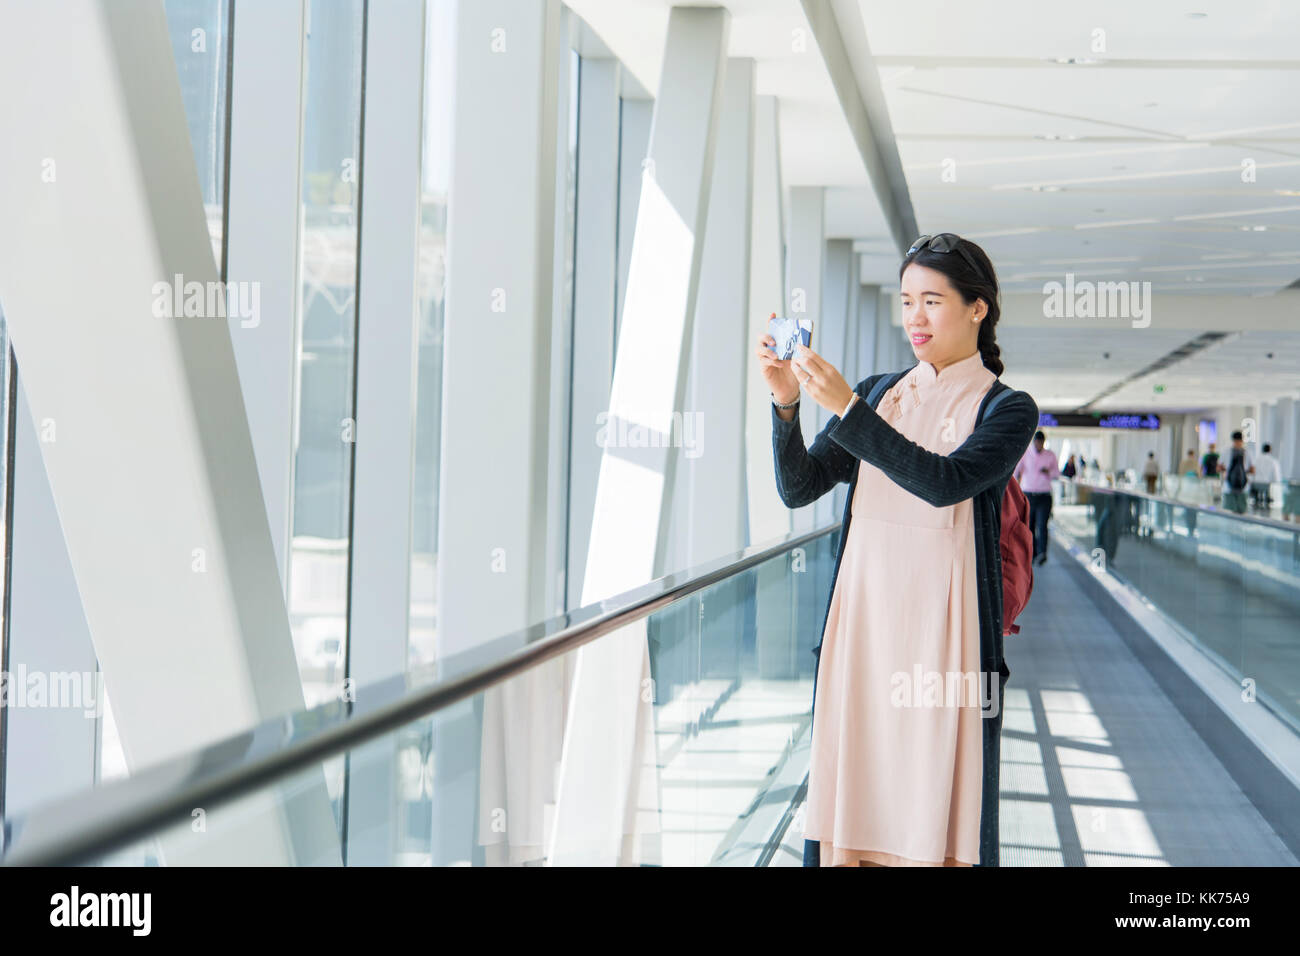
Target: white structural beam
x=867, y=312
x=1285, y=437
x=50, y=742
x=152, y=464
x=634, y=142
x=379, y=582
x=607, y=771
x=852, y=369
x=493, y=494
x=498, y=329
x=842, y=39
x=263, y=201
x=708, y=505
x=838, y=278
x=560, y=373
x=595, y=268
x=806, y=250
x=768, y=517
x=893, y=353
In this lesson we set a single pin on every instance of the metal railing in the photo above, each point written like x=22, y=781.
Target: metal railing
x=103, y=819
x=1067, y=485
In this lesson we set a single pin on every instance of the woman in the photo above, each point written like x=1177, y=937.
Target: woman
x=894, y=779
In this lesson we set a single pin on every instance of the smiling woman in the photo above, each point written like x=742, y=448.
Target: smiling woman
x=950, y=305
x=918, y=578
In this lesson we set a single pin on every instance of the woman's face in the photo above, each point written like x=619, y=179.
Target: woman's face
x=941, y=327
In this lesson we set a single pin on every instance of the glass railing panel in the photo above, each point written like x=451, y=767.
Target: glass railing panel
x=670, y=741
x=1230, y=581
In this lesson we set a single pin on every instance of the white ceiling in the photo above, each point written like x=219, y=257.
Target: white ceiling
x=1125, y=168
x=1143, y=167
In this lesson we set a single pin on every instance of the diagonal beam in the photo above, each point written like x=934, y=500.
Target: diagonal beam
x=150, y=458
x=607, y=770
x=842, y=38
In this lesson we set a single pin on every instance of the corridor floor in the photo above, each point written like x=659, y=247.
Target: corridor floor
x=1099, y=768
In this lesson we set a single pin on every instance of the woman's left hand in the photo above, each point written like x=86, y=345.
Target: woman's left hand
x=820, y=379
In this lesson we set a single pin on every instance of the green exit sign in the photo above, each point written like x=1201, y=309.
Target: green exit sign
x=1157, y=388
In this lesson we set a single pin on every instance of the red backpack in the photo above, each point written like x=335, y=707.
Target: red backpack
x=1016, y=541
x=1017, y=546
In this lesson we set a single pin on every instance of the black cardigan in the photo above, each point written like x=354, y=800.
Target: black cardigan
x=978, y=469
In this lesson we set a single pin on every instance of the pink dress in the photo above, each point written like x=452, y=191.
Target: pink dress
x=897, y=768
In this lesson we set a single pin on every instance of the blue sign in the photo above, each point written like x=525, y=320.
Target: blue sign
x=1128, y=421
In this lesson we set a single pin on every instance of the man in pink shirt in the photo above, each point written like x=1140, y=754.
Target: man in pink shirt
x=1035, y=473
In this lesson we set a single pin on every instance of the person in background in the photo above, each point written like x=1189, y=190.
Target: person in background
x=1188, y=473
x=1235, y=475
x=1210, y=463
x=1151, y=472
x=1069, y=471
x=1210, y=471
x=1266, y=470
x=1035, y=472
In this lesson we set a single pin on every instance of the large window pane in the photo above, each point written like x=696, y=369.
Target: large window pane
x=5, y=489
x=200, y=35
x=322, y=483
x=566, y=188
x=439, y=101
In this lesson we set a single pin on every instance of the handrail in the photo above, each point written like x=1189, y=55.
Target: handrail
x=1208, y=509
x=96, y=821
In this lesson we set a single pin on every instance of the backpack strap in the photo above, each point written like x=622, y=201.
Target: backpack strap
x=999, y=390
x=882, y=384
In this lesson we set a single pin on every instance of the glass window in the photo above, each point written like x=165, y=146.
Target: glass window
x=435, y=179
x=200, y=35
x=6, y=430
x=325, y=430
x=562, y=328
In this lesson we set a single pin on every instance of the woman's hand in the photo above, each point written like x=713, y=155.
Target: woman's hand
x=777, y=372
x=820, y=379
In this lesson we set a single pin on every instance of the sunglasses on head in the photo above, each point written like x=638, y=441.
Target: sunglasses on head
x=945, y=242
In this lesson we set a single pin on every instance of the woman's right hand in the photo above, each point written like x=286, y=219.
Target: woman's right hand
x=780, y=378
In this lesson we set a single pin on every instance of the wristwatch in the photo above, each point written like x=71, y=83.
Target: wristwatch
x=794, y=404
